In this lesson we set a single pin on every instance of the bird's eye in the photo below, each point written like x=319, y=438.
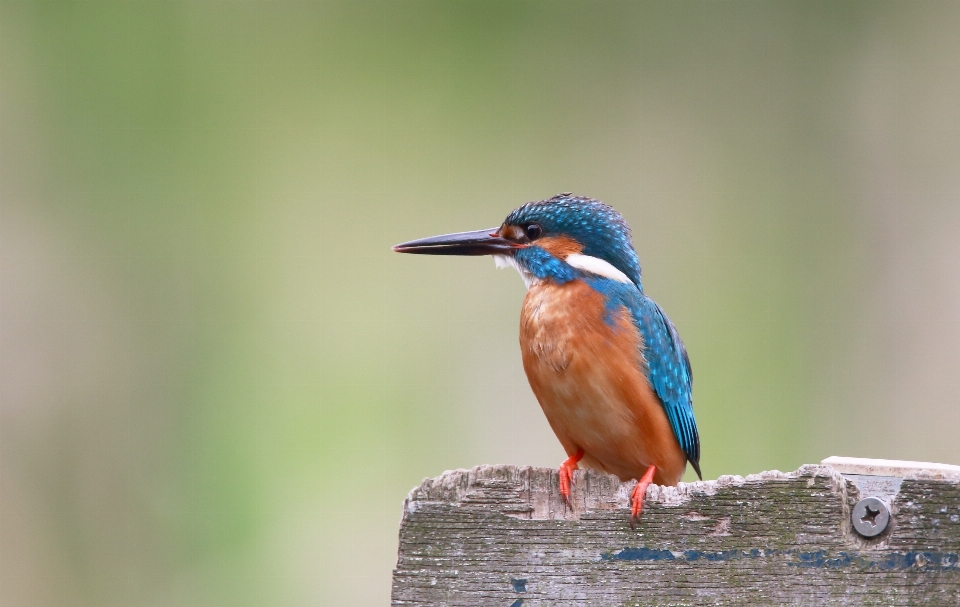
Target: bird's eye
x=533, y=231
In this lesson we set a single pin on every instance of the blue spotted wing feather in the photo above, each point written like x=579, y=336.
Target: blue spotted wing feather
x=666, y=360
x=668, y=369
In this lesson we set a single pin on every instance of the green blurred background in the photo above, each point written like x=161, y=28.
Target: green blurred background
x=218, y=382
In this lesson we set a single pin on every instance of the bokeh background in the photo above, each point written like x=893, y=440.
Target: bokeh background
x=218, y=383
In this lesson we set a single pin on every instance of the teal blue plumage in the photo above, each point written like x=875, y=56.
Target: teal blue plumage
x=664, y=358
x=585, y=240
x=668, y=370
x=605, y=235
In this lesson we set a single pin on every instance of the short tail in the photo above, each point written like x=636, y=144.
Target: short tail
x=696, y=467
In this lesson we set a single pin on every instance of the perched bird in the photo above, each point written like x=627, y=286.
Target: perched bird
x=602, y=358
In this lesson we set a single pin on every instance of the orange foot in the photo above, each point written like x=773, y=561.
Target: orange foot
x=639, y=492
x=566, y=474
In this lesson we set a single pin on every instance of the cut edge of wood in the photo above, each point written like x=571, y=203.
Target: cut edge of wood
x=533, y=493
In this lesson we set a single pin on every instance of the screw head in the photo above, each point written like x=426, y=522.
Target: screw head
x=870, y=517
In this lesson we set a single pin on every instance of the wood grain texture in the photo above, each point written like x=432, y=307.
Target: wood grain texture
x=500, y=535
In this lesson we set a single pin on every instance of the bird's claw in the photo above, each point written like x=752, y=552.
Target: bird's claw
x=566, y=475
x=638, y=494
x=636, y=503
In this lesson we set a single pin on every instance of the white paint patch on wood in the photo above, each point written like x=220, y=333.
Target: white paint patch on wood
x=885, y=467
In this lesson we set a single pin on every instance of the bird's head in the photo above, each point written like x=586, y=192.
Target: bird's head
x=558, y=239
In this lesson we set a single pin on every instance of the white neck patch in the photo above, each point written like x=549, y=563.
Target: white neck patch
x=585, y=263
x=507, y=261
x=595, y=265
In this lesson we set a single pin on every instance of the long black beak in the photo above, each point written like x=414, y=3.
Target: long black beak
x=480, y=242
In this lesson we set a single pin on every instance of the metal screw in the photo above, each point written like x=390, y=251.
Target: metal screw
x=870, y=517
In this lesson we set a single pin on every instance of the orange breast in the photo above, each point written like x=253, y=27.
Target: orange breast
x=586, y=374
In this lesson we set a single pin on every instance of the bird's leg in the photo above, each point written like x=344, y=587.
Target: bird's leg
x=639, y=492
x=566, y=474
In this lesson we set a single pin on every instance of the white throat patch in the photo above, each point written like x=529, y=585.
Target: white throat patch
x=595, y=265
x=507, y=261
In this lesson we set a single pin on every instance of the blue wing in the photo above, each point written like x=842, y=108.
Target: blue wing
x=668, y=369
x=668, y=366
x=667, y=363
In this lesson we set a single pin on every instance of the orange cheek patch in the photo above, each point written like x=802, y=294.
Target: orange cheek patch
x=559, y=246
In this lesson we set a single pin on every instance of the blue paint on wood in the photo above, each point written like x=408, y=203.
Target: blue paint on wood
x=820, y=559
x=516, y=603
x=519, y=585
x=640, y=554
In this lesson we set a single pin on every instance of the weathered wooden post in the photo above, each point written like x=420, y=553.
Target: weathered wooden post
x=501, y=535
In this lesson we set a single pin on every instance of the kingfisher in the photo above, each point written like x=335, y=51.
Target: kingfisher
x=605, y=363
